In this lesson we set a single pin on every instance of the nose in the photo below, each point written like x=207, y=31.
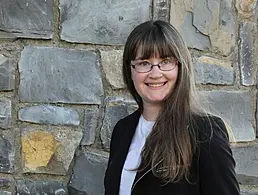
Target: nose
x=155, y=72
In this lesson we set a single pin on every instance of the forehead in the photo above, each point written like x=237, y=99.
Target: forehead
x=152, y=50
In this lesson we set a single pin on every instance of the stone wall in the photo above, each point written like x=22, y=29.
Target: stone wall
x=61, y=90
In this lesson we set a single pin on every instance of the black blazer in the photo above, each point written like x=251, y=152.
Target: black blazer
x=212, y=169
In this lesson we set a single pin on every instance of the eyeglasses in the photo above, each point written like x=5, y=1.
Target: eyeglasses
x=145, y=66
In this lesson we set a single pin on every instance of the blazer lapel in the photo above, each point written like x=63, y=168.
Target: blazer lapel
x=126, y=135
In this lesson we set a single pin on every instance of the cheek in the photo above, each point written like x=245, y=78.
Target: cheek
x=174, y=75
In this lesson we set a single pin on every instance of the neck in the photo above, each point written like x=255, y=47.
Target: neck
x=151, y=112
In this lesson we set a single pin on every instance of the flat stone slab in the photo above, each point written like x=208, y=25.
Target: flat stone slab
x=49, y=74
x=246, y=158
x=236, y=110
x=7, y=77
x=6, y=153
x=88, y=174
x=26, y=18
x=45, y=114
x=112, y=65
x=249, y=192
x=4, y=192
x=116, y=109
x=205, y=24
x=161, y=10
x=246, y=52
x=5, y=113
x=5, y=182
x=214, y=71
x=101, y=22
x=48, y=150
x=25, y=187
x=91, y=120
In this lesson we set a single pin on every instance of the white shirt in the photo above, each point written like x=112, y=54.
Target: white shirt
x=133, y=160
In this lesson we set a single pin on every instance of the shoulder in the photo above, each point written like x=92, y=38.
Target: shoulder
x=128, y=121
x=213, y=139
x=209, y=128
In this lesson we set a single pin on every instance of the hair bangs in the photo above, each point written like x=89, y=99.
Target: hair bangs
x=152, y=43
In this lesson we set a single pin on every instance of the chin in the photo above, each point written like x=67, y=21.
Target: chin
x=156, y=101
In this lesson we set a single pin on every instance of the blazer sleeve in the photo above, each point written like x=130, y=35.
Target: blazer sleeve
x=114, y=139
x=216, y=164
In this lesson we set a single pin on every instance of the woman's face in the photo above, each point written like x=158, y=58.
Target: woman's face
x=155, y=85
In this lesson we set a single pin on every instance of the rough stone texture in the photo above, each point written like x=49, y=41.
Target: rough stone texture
x=246, y=164
x=246, y=47
x=249, y=192
x=90, y=125
x=48, y=151
x=5, y=182
x=4, y=192
x=192, y=36
x=88, y=174
x=112, y=65
x=59, y=75
x=116, y=109
x=214, y=71
x=205, y=24
x=101, y=22
x=6, y=152
x=235, y=108
x=6, y=74
x=45, y=114
x=40, y=187
x=26, y=18
x=161, y=10
x=5, y=113
x=246, y=8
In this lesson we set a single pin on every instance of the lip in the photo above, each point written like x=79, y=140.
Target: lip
x=156, y=85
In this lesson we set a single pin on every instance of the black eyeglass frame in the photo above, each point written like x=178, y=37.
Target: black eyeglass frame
x=176, y=64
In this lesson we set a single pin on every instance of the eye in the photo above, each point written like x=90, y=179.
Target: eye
x=166, y=61
x=143, y=63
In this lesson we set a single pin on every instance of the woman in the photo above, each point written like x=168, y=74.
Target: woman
x=169, y=145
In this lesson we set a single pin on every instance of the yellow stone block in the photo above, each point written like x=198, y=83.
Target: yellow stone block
x=38, y=148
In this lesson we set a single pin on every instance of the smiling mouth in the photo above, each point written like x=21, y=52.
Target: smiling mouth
x=156, y=84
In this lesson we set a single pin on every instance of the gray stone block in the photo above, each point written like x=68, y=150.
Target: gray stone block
x=6, y=153
x=59, y=75
x=101, y=22
x=26, y=18
x=25, y=187
x=235, y=107
x=213, y=71
x=193, y=37
x=6, y=74
x=245, y=53
x=5, y=113
x=246, y=158
x=90, y=125
x=116, y=109
x=5, y=182
x=161, y=10
x=46, y=114
x=249, y=192
x=88, y=174
x=6, y=149
x=205, y=24
x=112, y=63
x=4, y=192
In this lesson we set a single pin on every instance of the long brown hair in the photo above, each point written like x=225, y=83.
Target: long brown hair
x=170, y=147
